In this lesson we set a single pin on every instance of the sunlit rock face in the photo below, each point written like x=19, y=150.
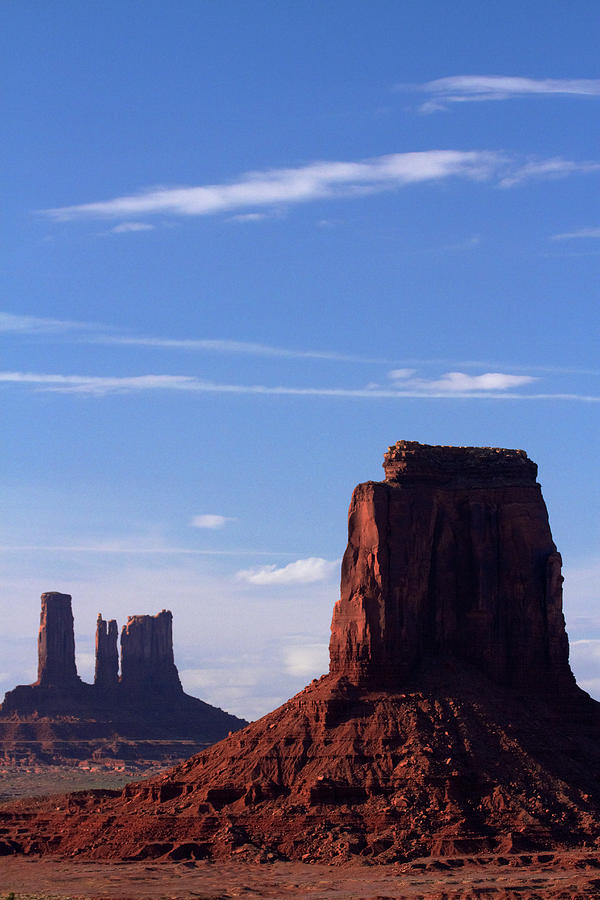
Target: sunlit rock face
x=451, y=557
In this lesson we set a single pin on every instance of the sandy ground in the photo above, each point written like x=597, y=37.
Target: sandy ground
x=570, y=877
x=40, y=780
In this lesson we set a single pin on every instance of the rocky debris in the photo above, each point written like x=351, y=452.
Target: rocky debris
x=56, y=642
x=437, y=751
x=106, y=674
x=147, y=661
x=451, y=556
x=143, y=715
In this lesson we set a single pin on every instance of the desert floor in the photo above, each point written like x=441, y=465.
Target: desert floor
x=565, y=875
x=569, y=876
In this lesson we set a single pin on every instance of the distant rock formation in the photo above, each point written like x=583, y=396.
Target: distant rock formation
x=449, y=724
x=143, y=714
x=106, y=672
x=56, y=642
x=451, y=556
x=147, y=654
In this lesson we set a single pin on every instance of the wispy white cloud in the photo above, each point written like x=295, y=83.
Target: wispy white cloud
x=128, y=227
x=98, y=384
x=226, y=346
x=480, y=88
x=460, y=382
x=14, y=324
x=103, y=334
x=274, y=187
x=401, y=374
x=97, y=334
x=575, y=235
x=249, y=217
x=211, y=521
x=133, y=549
x=303, y=571
x=548, y=169
x=444, y=388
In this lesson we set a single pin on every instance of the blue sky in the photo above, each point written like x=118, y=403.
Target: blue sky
x=249, y=245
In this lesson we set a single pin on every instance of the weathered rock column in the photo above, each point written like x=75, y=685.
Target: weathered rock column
x=451, y=557
x=56, y=642
x=107, y=656
x=147, y=662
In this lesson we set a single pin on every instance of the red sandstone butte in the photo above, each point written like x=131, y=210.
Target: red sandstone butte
x=451, y=556
x=147, y=654
x=449, y=723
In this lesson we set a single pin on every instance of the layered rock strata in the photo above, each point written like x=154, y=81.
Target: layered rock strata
x=56, y=642
x=451, y=556
x=415, y=743
x=147, y=660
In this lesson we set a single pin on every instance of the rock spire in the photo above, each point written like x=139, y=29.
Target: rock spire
x=56, y=642
x=106, y=673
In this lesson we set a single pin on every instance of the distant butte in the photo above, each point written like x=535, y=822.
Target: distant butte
x=143, y=714
x=449, y=723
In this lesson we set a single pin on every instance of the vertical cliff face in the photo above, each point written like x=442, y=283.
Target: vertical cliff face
x=56, y=642
x=106, y=674
x=147, y=662
x=451, y=557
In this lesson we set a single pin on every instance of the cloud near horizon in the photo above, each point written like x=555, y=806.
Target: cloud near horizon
x=211, y=521
x=307, y=659
x=482, y=88
x=303, y=571
x=273, y=188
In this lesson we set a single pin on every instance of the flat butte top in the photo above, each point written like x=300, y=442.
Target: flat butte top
x=410, y=461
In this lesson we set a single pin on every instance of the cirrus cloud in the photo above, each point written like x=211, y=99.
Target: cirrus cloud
x=273, y=187
x=129, y=227
x=583, y=233
x=461, y=382
x=481, y=88
x=452, y=385
x=16, y=324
